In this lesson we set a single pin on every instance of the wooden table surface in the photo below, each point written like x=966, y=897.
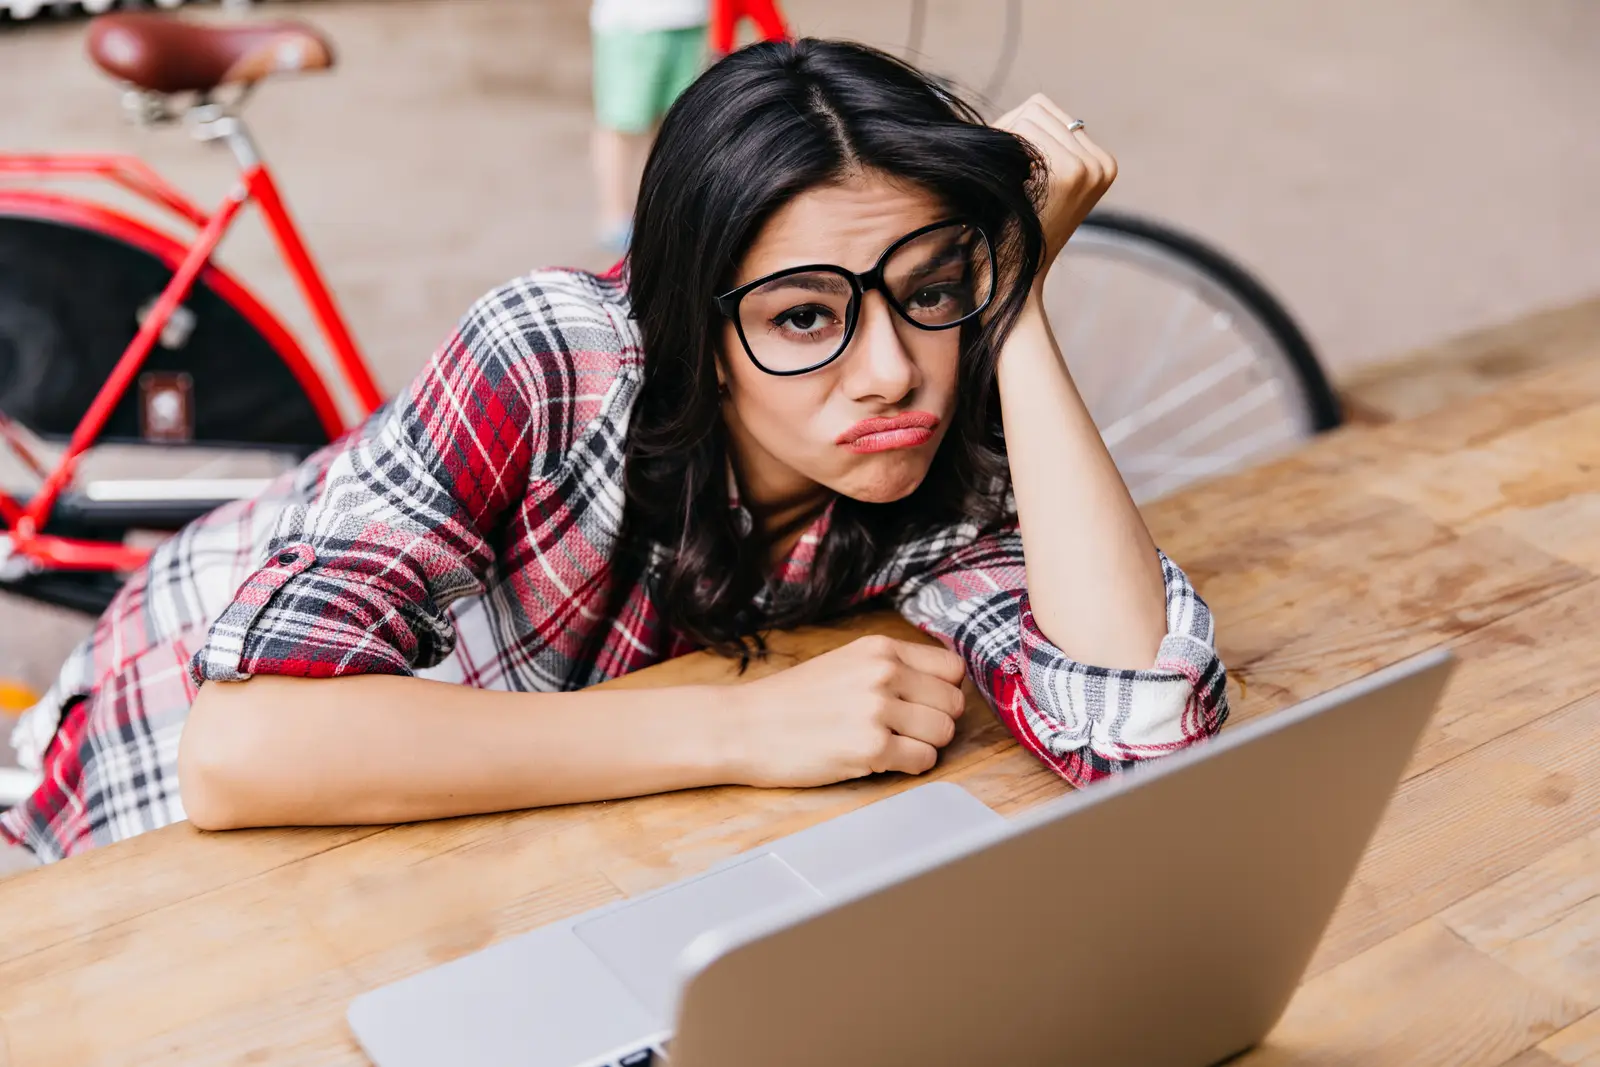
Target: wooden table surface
x=1471, y=934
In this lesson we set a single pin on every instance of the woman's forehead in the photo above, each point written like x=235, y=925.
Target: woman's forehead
x=848, y=223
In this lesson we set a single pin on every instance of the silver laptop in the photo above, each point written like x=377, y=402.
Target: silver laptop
x=1163, y=918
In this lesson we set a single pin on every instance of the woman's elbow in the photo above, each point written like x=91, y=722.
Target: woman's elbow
x=215, y=757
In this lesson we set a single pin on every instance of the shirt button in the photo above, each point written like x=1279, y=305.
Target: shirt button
x=286, y=558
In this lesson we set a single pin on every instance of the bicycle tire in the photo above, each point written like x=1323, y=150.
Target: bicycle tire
x=1290, y=342
x=69, y=301
x=87, y=593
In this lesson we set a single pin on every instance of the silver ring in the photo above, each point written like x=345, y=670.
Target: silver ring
x=1074, y=125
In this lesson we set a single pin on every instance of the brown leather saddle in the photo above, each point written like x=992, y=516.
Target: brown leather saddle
x=165, y=54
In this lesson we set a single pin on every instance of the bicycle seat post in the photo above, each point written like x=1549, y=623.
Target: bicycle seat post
x=209, y=120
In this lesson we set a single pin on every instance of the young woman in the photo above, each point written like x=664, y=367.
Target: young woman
x=824, y=378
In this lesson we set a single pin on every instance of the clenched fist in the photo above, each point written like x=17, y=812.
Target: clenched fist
x=875, y=705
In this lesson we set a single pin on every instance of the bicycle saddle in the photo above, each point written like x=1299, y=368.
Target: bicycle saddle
x=165, y=54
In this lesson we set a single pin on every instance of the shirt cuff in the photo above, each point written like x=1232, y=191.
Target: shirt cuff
x=333, y=626
x=221, y=660
x=1120, y=715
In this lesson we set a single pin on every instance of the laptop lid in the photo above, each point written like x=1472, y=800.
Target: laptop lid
x=1164, y=918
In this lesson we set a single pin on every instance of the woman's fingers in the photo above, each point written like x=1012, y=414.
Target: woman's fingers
x=921, y=723
x=1004, y=122
x=1069, y=163
x=940, y=694
x=931, y=659
x=1080, y=136
x=1079, y=171
x=1049, y=142
x=907, y=756
x=1046, y=115
x=1066, y=140
x=1051, y=108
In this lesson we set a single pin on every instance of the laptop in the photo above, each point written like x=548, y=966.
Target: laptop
x=1163, y=918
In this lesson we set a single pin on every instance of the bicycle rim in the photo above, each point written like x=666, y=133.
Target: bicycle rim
x=1188, y=366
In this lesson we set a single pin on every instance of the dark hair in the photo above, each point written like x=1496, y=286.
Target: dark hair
x=760, y=127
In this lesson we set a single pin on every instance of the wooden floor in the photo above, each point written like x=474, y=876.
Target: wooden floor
x=1470, y=935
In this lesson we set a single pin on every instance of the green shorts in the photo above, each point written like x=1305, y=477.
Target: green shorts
x=637, y=75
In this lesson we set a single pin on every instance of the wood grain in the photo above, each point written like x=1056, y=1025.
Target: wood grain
x=1464, y=825
x=1473, y=364
x=1577, y=1044
x=1533, y=1057
x=1369, y=1009
x=1469, y=935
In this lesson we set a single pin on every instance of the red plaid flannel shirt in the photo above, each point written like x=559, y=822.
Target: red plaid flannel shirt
x=464, y=533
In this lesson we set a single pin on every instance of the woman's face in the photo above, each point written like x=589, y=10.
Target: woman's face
x=795, y=436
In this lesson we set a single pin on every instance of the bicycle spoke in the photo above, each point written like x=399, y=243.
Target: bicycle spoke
x=1177, y=396
x=1187, y=368
x=1089, y=305
x=1161, y=358
x=1198, y=432
x=1187, y=470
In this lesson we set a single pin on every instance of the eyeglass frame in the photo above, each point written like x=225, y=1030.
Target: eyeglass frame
x=860, y=284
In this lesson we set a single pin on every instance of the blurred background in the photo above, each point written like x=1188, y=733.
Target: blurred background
x=1416, y=182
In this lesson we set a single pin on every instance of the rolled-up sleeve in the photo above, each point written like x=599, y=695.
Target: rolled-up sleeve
x=357, y=580
x=1082, y=721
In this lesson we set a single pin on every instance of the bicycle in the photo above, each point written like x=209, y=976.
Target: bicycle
x=94, y=301
x=128, y=348
x=1155, y=324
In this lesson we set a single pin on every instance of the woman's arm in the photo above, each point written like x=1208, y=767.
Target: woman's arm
x=308, y=713
x=281, y=751
x=1092, y=647
x=1094, y=576
x=1082, y=720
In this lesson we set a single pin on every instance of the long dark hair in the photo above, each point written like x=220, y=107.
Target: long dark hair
x=760, y=127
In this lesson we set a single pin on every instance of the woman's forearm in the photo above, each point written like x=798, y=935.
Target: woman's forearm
x=279, y=751
x=1094, y=578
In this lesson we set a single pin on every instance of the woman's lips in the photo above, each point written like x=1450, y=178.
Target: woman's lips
x=906, y=430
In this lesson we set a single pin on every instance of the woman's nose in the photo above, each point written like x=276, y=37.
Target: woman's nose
x=878, y=365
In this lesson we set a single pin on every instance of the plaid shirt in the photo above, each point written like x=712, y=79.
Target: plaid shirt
x=464, y=534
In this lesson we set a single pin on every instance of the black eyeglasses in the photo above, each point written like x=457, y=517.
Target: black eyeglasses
x=801, y=319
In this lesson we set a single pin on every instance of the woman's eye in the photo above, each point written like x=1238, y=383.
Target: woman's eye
x=806, y=319
x=931, y=297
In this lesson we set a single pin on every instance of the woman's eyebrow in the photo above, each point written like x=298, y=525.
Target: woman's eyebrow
x=938, y=261
x=815, y=282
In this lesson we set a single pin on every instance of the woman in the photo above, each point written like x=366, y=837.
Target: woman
x=825, y=378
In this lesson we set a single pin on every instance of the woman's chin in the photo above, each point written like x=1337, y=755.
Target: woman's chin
x=885, y=479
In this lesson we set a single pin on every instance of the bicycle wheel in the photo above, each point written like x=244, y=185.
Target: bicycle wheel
x=214, y=413
x=1189, y=366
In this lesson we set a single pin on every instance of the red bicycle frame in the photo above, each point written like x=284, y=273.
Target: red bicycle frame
x=189, y=262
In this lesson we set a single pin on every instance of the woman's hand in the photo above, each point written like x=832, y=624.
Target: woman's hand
x=1080, y=171
x=875, y=705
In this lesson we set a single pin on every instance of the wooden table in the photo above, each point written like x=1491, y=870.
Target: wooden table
x=1471, y=934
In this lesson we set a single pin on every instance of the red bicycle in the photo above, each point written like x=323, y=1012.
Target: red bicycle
x=121, y=338
x=134, y=370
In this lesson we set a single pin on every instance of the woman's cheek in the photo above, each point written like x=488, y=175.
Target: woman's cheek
x=941, y=370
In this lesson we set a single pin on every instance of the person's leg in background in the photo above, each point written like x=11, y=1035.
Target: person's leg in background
x=683, y=59
x=628, y=68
